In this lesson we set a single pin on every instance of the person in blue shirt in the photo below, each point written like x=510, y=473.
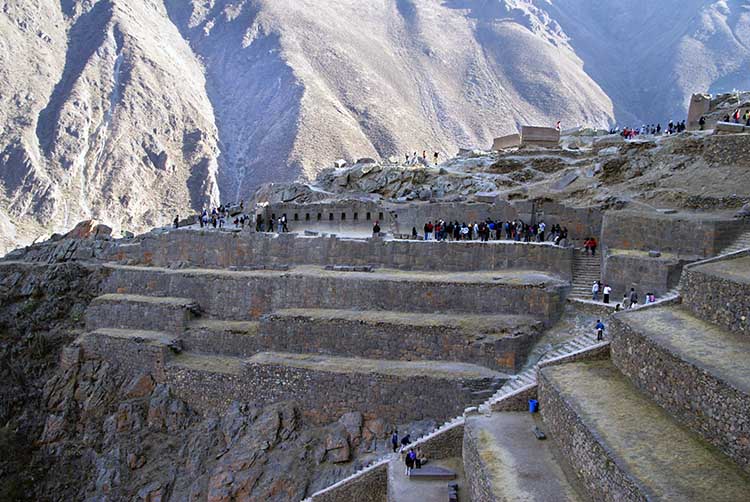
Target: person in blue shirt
x=599, y=330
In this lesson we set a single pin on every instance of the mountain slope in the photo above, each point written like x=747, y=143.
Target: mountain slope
x=132, y=110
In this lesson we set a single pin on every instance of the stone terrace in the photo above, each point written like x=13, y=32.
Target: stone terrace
x=250, y=319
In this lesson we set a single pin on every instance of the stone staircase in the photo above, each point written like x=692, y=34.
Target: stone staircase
x=741, y=242
x=586, y=271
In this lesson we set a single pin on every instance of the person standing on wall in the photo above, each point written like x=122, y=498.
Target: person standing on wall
x=376, y=228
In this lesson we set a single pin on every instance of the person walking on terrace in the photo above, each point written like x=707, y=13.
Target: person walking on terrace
x=607, y=292
x=595, y=291
x=633, y=298
x=409, y=461
x=394, y=441
x=599, y=330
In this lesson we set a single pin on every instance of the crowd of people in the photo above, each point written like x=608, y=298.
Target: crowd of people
x=630, y=300
x=488, y=230
x=650, y=129
x=414, y=158
x=413, y=457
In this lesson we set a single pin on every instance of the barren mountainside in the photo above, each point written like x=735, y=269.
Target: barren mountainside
x=131, y=110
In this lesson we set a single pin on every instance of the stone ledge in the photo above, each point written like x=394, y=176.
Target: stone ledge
x=624, y=447
x=662, y=349
x=124, y=311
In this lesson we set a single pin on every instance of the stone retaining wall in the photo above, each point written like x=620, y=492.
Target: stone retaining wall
x=131, y=356
x=325, y=396
x=624, y=270
x=478, y=478
x=711, y=407
x=376, y=340
x=213, y=249
x=124, y=313
x=246, y=296
x=371, y=485
x=602, y=478
x=716, y=299
x=687, y=236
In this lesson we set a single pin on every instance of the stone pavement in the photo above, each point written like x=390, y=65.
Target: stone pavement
x=402, y=489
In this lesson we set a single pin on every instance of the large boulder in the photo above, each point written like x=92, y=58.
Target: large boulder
x=83, y=230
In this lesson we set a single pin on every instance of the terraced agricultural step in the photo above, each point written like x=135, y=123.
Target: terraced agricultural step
x=697, y=371
x=229, y=338
x=504, y=461
x=326, y=387
x=130, y=351
x=139, y=312
x=246, y=295
x=624, y=446
x=495, y=341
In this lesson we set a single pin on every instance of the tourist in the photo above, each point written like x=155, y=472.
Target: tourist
x=409, y=461
x=428, y=228
x=633, y=298
x=284, y=227
x=405, y=441
x=625, y=301
x=177, y=221
x=419, y=459
x=599, y=330
x=595, y=291
x=424, y=155
x=542, y=227
x=436, y=157
x=592, y=245
x=376, y=228
x=394, y=440
x=607, y=292
x=407, y=158
x=414, y=233
x=648, y=298
x=702, y=123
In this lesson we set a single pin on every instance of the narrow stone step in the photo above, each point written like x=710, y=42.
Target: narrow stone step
x=662, y=349
x=625, y=447
x=130, y=311
x=503, y=460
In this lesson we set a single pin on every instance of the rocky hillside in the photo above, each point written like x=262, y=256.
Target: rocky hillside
x=130, y=111
x=85, y=430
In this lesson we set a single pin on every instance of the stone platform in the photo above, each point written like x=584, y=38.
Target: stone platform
x=625, y=447
x=238, y=296
x=504, y=461
x=699, y=372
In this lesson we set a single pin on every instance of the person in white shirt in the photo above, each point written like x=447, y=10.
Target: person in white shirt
x=595, y=291
x=607, y=292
